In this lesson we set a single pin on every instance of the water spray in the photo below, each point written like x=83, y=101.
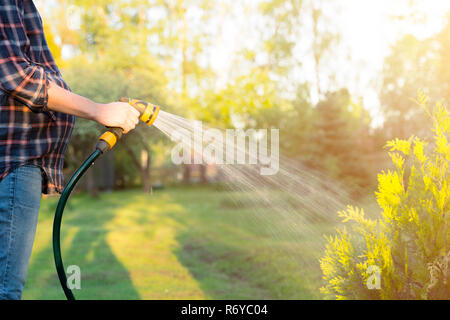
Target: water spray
x=290, y=205
x=148, y=113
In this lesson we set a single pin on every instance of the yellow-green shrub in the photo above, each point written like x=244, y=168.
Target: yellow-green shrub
x=409, y=243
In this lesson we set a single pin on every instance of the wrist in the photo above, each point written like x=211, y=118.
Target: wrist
x=96, y=111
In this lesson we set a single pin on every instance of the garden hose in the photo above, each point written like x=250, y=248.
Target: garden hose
x=148, y=113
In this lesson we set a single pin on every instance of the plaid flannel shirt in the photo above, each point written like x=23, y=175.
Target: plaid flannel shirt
x=30, y=133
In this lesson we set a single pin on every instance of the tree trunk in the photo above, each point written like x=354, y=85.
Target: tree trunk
x=145, y=170
x=107, y=171
x=203, y=177
x=91, y=185
x=143, y=165
x=146, y=181
x=186, y=173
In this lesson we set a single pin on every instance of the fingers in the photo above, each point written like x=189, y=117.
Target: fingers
x=132, y=119
x=135, y=112
x=132, y=124
x=129, y=125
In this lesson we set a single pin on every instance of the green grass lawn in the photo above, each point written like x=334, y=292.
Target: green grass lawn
x=180, y=243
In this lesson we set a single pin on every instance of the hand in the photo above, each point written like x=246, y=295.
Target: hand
x=117, y=114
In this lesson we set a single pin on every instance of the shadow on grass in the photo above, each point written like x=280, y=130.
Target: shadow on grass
x=103, y=276
x=231, y=260
x=227, y=254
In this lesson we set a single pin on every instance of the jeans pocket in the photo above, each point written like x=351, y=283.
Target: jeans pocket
x=28, y=186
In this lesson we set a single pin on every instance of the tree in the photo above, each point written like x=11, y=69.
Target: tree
x=414, y=63
x=287, y=21
x=323, y=40
x=408, y=247
x=341, y=140
x=406, y=70
x=183, y=43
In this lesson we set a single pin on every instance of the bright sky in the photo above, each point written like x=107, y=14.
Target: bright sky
x=369, y=31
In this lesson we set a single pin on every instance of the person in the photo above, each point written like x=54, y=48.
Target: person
x=37, y=115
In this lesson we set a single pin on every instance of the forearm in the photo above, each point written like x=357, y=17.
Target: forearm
x=62, y=100
x=114, y=114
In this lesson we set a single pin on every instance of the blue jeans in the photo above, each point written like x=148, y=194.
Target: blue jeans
x=20, y=197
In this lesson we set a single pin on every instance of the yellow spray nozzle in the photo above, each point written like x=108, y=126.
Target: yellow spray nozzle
x=148, y=111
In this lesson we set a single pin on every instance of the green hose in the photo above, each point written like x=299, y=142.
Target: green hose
x=58, y=218
x=148, y=113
